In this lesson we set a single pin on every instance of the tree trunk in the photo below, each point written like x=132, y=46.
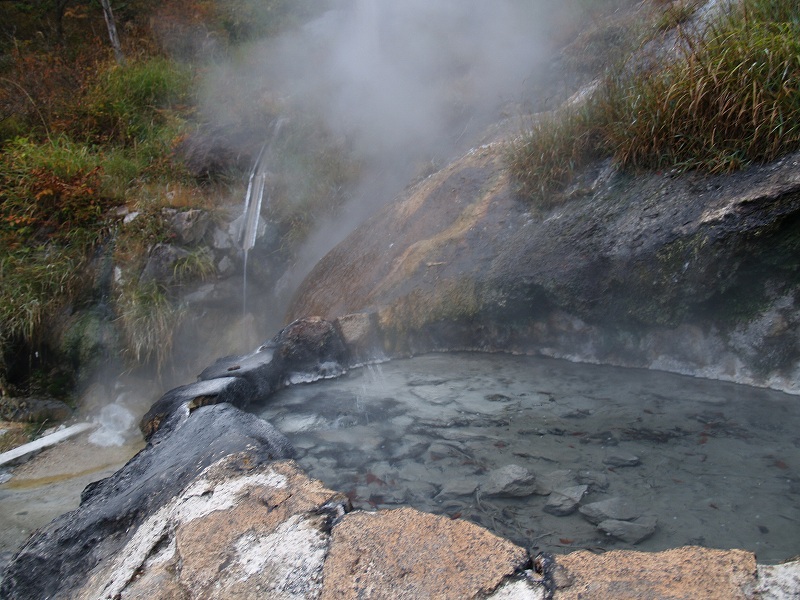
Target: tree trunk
x=112, y=31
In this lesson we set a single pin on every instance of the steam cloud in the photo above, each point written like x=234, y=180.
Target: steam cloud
x=407, y=83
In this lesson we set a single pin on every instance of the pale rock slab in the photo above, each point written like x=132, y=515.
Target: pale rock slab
x=687, y=573
x=232, y=533
x=621, y=459
x=405, y=554
x=564, y=501
x=779, y=582
x=615, y=508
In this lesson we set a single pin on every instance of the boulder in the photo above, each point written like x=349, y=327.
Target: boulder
x=405, y=554
x=56, y=560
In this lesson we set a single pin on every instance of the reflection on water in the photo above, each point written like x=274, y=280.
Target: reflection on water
x=709, y=463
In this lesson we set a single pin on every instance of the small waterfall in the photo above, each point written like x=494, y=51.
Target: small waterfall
x=253, y=200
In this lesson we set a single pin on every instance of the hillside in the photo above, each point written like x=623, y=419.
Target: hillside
x=122, y=180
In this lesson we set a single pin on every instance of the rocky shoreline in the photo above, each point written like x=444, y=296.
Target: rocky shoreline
x=215, y=507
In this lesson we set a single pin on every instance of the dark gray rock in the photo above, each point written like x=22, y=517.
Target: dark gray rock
x=564, y=501
x=621, y=459
x=631, y=532
x=511, y=480
x=56, y=559
x=165, y=411
x=161, y=263
x=612, y=508
x=33, y=410
x=306, y=350
x=190, y=226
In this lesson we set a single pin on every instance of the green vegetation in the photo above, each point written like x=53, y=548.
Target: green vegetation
x=148, y=318
x=729, y=98
x=84, y=140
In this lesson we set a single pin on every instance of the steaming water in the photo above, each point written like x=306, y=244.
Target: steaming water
x=717, y=461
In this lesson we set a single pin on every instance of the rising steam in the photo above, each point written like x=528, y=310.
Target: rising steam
x=406, y=83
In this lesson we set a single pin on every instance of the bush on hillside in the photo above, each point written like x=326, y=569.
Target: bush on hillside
x=729, y=99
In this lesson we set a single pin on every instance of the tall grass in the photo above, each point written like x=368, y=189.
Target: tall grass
x=731, y=97
x=731, y=100
x=130, y=103
x=148, y=318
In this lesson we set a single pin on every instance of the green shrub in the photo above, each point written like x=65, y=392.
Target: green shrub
x=148, y=319
x=129, y=103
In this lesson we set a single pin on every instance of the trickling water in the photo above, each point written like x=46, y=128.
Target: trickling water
x=711, y=463
x=253, y=200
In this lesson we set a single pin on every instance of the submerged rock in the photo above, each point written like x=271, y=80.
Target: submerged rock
x=621, y=459
x=631, y=532
x=511, y=480
x=611, y=508
x=564, y=501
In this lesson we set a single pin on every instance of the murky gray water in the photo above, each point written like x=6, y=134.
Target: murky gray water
x=711, y=464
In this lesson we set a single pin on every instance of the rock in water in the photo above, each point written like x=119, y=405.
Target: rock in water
x=56, y=560
x=564, y=501
x=621, y=459
x=511, y=480
x=631, y=532
x=613, y=508
x=306, y=350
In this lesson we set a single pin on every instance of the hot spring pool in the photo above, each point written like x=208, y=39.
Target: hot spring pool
x=694, y=461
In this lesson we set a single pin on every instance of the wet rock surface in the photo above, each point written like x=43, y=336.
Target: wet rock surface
x=304, y=351
x=687, y=273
